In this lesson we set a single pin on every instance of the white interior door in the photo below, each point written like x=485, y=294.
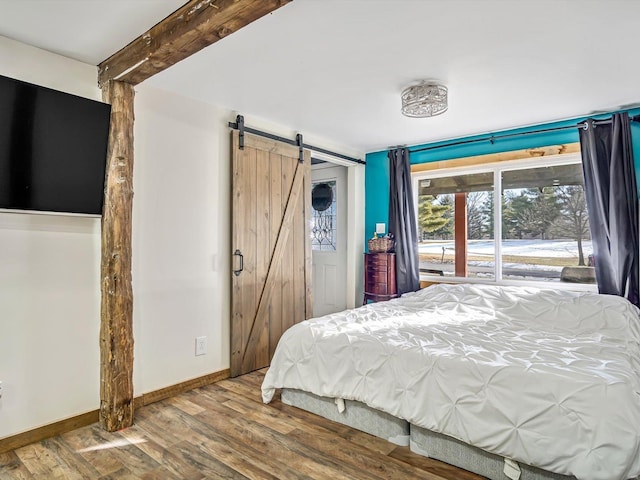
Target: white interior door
x=328, y=239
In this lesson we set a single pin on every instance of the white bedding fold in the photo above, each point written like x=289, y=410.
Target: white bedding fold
x=544, y=377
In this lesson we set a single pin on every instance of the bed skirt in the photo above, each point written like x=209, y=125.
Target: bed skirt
x=356, y=415
x=447, y=449
x=422, y=441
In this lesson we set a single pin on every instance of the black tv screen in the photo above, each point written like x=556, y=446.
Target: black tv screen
x=53, y=149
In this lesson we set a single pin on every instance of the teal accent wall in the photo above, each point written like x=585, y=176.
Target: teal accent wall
x=635, y=138
x=377, y=168
x=376, y=192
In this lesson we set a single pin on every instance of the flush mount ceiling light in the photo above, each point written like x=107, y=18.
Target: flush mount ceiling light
x=426, y=99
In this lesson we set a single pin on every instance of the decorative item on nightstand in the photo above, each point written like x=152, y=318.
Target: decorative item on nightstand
x=380, y=244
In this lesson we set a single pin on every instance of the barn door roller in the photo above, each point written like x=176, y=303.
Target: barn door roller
x=300, y=148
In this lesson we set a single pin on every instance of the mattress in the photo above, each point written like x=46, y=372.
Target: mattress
x=547, y=378
x=351, y=413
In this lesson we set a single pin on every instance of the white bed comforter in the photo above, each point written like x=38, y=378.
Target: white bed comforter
x=544, y=377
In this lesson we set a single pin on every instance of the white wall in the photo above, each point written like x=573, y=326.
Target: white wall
x=49, y=291
x=34, y=65
x=181, y=249
x=355, y=234
x=49, y=265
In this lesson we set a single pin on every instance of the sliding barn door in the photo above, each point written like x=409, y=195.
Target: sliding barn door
x=271, y=247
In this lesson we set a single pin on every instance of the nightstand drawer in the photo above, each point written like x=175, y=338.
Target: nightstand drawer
x=381, y=261
x=378, y=289
x=377, y=277
x=376, y=267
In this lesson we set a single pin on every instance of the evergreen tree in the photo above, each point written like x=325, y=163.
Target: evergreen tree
x=487, y=215
x=432, y=215
x=446, y=231
x=514, y=207
x=531, y=213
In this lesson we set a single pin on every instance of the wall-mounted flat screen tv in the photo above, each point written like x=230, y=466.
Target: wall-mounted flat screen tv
x=53, y=149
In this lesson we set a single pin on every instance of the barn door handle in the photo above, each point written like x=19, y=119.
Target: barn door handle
x=238, y=253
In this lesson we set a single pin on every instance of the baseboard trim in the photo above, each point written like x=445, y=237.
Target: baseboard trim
x=178, y=388
x=51, y=430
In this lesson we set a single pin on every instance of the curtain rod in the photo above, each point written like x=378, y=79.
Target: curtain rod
x=239, y=125
x=492, y=138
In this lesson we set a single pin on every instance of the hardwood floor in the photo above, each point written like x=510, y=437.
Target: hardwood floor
x=222, y=431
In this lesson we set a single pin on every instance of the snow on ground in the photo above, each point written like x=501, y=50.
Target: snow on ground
x=525, y=248
x=515, y=248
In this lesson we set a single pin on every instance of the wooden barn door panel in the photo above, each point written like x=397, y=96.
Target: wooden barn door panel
x=270, y=233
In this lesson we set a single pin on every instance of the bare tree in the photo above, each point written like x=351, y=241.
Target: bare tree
x=475, y=215
x=573, y=221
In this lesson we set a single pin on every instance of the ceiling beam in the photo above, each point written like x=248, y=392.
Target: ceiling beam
x=194, y=26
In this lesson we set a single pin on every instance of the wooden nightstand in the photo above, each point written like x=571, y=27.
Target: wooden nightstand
x=379, y=277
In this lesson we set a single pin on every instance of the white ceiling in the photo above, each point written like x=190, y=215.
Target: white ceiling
x=335, y=68
x=87, y=30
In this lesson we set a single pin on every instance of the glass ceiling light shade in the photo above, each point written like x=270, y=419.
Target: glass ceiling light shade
x=424, y=100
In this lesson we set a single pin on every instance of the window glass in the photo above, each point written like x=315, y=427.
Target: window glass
x=545, y=226
x=324, y=222
x=542, y=217
x=470, y=251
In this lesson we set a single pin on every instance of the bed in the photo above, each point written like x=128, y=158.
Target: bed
x=541, y=380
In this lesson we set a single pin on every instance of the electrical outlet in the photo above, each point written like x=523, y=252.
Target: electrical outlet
x=201, y=345
x=0, y=389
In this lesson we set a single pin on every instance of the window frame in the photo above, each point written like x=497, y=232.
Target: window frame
x=497, y=168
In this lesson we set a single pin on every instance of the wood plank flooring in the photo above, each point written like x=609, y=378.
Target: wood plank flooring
x=222, y=431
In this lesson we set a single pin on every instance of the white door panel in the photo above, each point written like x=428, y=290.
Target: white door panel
x=330, y=266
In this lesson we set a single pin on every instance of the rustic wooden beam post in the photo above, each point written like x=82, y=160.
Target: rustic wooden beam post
x=116, y=326
x=460, y=209
x=195, y=25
